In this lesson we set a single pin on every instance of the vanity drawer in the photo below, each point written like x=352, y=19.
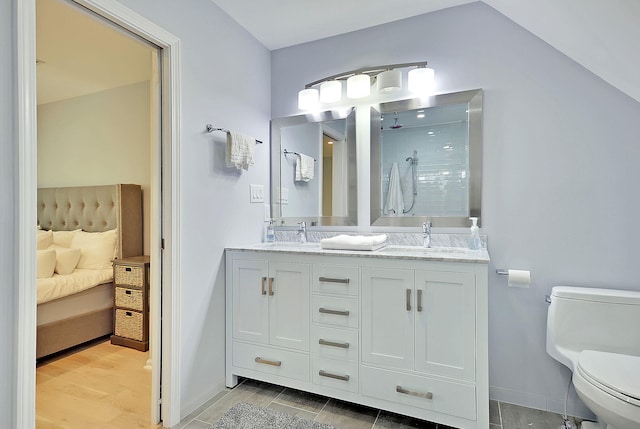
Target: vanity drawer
x=336, y=279
x=336, y=311
x=451, y=398
x=334, y=343
x=335, y=374
x=271, y=361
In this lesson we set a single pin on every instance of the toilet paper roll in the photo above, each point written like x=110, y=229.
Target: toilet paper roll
x=519, y=278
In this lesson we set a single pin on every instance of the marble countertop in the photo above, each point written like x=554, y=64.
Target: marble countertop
x=443, y=254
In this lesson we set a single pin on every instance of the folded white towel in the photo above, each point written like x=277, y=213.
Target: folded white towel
x=395, y=199
x=354, y=242
x=304, y=168
x=240, y=150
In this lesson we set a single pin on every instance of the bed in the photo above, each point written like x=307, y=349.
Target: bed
x=80, y=217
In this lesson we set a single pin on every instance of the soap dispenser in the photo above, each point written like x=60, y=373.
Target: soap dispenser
x=475, y=243
x=270, y=235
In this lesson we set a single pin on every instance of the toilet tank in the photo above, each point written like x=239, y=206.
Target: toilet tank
x=582, y=318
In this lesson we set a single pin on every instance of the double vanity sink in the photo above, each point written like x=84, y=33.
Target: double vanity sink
x=445, y=254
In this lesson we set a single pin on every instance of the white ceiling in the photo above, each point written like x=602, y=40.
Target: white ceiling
x=78, y=54
x=602, y=36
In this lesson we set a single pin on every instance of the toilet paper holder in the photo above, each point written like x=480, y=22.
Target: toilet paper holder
x=516, y=278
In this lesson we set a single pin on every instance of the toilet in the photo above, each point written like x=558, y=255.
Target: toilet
x=595, y=333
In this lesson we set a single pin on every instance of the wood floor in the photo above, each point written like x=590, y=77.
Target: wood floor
x=98, y=386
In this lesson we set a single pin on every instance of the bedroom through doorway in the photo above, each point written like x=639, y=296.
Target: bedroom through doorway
x=98, y=124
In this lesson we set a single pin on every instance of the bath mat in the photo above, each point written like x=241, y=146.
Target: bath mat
x=247, y=416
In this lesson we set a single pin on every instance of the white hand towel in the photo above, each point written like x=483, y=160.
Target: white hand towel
x=304, y=168
x=395, y=199
x=354, y=242
x=240, y=150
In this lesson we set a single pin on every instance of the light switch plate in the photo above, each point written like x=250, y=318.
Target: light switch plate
x=256, y=193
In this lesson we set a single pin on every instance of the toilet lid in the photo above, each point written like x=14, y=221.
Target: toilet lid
x=617, y=374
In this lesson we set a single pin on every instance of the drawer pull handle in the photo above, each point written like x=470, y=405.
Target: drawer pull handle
x=333, y=344
x=419, y=299
x=268, y=362
x=128, y=292
x=427, y=395
x=127, y=269
x=323, y=373
x=264, y=291
x=330, y=280
x=128, y=313
x=271, y=286
x=408, y=299
x=338, y=312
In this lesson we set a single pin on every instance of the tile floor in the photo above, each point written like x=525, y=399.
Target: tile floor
x=350, y=416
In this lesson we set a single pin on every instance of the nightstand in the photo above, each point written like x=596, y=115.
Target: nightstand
x=131, y=302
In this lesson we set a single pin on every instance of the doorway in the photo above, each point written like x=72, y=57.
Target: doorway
x=164, y=245
x=96, y=86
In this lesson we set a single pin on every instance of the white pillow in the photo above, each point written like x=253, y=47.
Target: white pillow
x=64, y=238
x=66, y=259
x=44, y=239
x=96, y=249
x=45, y=263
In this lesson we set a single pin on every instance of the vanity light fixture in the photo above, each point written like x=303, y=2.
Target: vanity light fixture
x=359, y=82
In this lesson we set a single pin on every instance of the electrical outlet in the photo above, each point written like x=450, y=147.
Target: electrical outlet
x=256, y=193
x=284, y=196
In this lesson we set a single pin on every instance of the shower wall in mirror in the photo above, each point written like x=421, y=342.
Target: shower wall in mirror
x=426, y=161
x=313, y=161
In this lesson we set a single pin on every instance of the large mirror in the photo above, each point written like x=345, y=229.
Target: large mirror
x=426, y=160
x=313, y=169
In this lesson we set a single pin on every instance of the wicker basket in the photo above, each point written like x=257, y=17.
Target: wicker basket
x=129, y=298
x=132, y=276
x=129, y=324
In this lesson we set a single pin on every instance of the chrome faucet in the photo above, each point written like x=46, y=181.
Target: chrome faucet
x=426, y=234
x=302, y=232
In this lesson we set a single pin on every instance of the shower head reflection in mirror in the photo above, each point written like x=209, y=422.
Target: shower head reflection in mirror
x=443, y=185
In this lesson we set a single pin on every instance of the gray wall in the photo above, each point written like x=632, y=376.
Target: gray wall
x=8, y=221
x=561, y=157
x=225, y=80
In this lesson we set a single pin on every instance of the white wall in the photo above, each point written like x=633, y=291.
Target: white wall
x=98, y=139
x=560, y=156
x=8, y=219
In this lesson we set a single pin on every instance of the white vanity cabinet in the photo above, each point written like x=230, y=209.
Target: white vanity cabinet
x=404, y=334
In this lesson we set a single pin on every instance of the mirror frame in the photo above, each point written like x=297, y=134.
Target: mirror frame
x=276, y=166
x=473, y=98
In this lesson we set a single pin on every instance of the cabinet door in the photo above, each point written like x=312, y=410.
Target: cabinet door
x=388, y=317
x=445, y=324
x=289, y=305
x=250, y=302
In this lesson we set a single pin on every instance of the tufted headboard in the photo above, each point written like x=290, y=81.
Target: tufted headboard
x=95, y=209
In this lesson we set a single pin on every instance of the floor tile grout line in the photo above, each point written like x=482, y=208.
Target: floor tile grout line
x=323, y=407
x=294, y=407
x=376, y=420
x=500, y=412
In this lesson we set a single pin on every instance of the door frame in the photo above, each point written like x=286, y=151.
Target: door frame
x=165, y=209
